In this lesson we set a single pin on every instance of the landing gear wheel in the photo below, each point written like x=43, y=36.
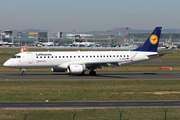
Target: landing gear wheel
x=92, y=73
x=23, y=73
x=83, y=73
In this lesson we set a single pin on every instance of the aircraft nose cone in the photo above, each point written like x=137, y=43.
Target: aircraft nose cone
x=6, y=64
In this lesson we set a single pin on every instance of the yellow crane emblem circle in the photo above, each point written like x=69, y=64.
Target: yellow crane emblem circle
x=153, y=39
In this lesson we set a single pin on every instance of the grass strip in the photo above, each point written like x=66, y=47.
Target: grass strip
x=91, y=114
x=89, y=90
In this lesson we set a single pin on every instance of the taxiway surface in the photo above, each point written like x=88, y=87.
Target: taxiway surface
x=52, y=76
x=89, y=104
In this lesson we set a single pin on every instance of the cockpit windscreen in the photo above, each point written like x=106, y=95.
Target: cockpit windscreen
x=16, y=56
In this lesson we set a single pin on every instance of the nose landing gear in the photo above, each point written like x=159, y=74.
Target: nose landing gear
x=23, y=72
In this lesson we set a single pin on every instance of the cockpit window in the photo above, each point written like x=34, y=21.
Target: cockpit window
x=16, y=56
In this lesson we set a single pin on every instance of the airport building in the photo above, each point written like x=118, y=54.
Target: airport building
x=99, y=40
x=8, y=34
x=34, y=38
x=107, y=40
x=139, y=38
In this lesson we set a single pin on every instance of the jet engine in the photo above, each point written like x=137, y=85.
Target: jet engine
x=58, y=70
x=76, y=69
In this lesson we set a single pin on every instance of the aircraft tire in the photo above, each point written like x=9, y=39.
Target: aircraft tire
x=23, y=73
x=83, y=73
x=92, y=73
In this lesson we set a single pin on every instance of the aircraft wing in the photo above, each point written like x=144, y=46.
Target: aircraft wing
x=104, y=64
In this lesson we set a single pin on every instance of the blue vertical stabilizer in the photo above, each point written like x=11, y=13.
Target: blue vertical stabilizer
x=151, y=44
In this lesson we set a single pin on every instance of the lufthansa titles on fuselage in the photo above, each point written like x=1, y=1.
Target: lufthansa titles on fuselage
x=43, y=54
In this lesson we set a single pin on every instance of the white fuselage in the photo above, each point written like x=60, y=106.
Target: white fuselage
x=63, y=59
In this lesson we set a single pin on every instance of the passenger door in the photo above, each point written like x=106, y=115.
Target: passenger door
x=30, y=58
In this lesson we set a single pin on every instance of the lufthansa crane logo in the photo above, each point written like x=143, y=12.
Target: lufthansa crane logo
x=153, y=39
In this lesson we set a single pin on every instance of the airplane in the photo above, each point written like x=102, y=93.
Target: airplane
x=77, y=62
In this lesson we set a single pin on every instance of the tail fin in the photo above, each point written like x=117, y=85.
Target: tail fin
x=151, y=44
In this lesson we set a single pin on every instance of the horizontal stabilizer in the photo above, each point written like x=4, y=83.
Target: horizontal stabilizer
x=158, y=54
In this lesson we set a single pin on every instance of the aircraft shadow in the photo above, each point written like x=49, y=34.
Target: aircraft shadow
x=104, y=75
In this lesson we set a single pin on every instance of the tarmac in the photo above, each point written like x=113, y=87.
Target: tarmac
x=109, y=104
x=58, y=76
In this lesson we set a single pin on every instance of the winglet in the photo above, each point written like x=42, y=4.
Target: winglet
x=151, y=44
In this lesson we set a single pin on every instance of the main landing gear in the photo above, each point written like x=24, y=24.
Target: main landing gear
x=23, y=72
x=92, y=73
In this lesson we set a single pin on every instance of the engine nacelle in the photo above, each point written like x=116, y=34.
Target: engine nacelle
x=76, y=69
x=58, y=70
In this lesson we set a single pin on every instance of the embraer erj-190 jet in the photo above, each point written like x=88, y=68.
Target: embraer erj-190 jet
x=80, y=61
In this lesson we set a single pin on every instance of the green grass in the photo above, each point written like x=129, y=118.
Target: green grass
x=92, y=114
x=89, y=90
